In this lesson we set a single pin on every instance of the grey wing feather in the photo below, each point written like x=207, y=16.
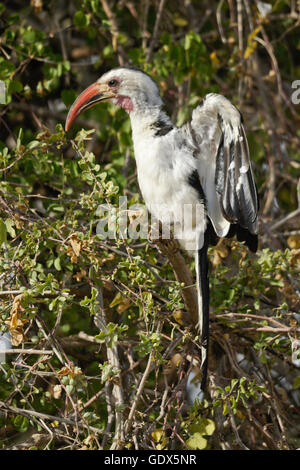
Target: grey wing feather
x=234, y=180
x=224, y=165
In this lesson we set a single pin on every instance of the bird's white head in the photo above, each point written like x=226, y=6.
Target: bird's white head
x=128, y=88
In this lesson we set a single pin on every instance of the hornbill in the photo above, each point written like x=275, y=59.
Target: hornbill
x=201, y=169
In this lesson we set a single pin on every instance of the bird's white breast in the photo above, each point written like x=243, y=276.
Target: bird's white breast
x=163, y=170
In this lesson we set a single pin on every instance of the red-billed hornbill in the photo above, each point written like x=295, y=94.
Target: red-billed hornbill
x=203, y=166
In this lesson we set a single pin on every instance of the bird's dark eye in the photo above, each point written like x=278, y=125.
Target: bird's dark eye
x=113, y=82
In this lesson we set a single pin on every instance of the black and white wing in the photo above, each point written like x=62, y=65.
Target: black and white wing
x=224, y=169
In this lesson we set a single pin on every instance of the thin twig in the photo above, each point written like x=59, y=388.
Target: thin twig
x=285, y=219
x=26, y=351
x=156, y=29
x=141, y=387
x=219, y=22
x=234, y=428
x=23, y=412
x=114, y=31
x=139, y=392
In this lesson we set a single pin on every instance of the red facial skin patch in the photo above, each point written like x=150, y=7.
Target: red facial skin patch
x=125, y=102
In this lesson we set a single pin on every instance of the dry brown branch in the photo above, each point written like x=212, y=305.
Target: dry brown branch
x=51, y=342
x=114, y=31
x=235, y=429
x=138, y=394
x=44, y=416
x=156, y=30
x=171, y=250
x=293, y=214
x=117, y=389
x=27, y=351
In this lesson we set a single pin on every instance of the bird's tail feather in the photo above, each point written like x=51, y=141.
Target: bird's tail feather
x=201, y=263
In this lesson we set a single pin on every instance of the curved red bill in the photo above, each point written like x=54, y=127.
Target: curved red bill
x=88, y=98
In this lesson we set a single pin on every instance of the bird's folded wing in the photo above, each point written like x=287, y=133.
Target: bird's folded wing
x=224, y=164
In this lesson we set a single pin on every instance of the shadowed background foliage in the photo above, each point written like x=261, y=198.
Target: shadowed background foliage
x=110, y=350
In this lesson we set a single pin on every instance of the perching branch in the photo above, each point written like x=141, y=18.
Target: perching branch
x=171, y=250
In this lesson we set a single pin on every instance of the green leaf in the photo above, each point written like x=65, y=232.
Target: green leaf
x=15, y=86
x=57, y=264
x=29, y=36
x=179, y=20
x=6, y=69
x=81, y=20
x=69, y=389
x=297, y=383
x=9, y=227
x=210, y=427
x=117, y=300
x=203, y=426
x=3, y=231
x=196, y=442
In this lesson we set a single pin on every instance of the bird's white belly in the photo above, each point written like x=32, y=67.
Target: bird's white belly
x=170, y=199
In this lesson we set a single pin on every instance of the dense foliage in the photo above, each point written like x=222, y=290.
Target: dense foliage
x=104, y=354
